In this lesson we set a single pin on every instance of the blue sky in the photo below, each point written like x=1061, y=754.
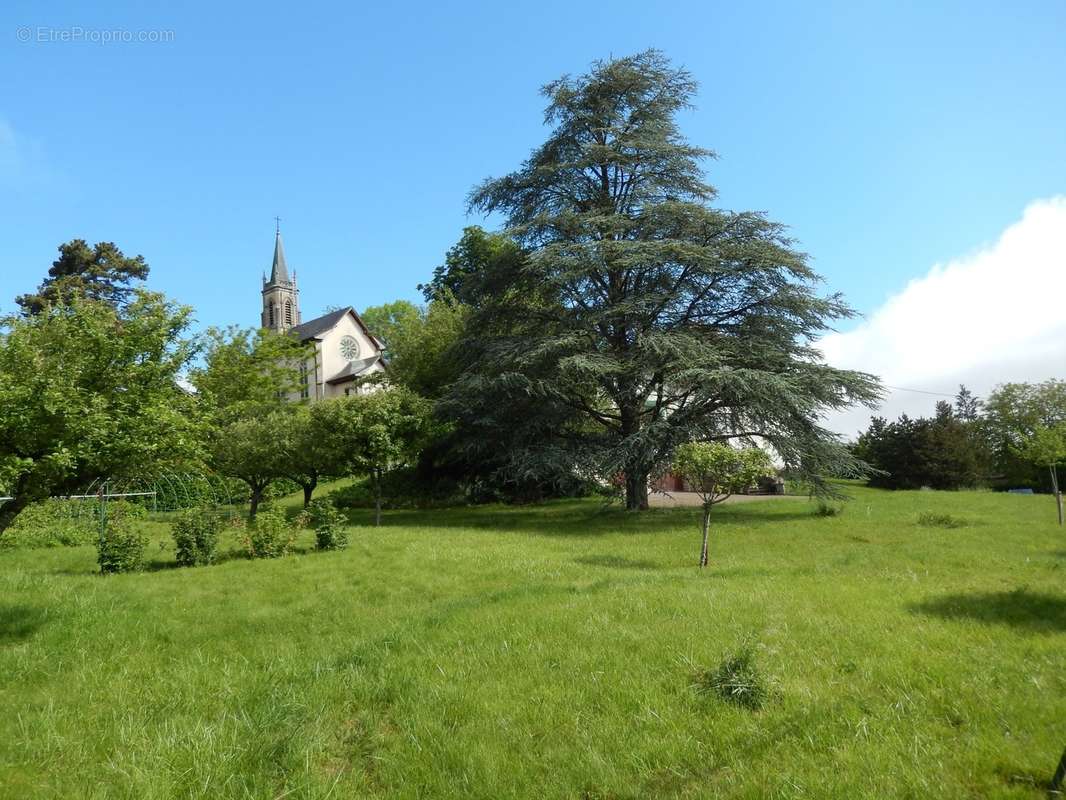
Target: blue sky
x=890, y=137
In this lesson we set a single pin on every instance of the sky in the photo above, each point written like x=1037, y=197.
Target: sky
x=916, y=150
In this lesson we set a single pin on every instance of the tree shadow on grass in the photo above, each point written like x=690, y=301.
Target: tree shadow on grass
x=18, y=622
x=1035, y=611
x=616, y=562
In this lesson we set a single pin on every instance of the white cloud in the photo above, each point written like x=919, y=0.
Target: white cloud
x=996, y=315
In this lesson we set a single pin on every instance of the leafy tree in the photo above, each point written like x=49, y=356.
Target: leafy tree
x=247, y=372
x=247, y=449
x=1046, y=447
x=101, y=272
x=380, y=431
x=307, y=446
x=422, y=343
x=459, y=278
x=88, y=392
x=392, y=323
x=715, y=471
x=639, y=313
x=1013, y=412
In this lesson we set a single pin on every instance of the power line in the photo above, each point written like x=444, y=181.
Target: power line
x=917, y=391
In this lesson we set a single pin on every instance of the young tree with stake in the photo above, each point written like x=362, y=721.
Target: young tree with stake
x=1046, y=447
x=716, y=471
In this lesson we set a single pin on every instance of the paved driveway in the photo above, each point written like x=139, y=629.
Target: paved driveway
x=668, y=500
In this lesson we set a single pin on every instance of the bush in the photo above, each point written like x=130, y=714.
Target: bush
x=120, y=546
x=329, y=525
x=54, y=523
x=929, y=520
x=270, y=536
x=196, y=537
x=355, y=495
x=737, y=680
x=827, y=509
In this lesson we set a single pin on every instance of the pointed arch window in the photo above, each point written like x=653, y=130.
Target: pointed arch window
x=270, y=309
x=288, y=312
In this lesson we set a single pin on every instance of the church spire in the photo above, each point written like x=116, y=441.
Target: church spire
x=279, y=272
x=281, y=298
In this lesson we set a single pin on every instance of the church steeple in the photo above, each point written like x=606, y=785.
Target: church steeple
x=281, y=298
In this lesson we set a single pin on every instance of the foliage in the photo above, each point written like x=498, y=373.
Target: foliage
x=380, y=431
x=306, y=447
x=825, y=508
x=54, y=522
x=421, y=343
x=639, y=317
x=1012, y=414
x=392, y=323
x=196, y=533
x=247, y=372
x=716, y=470
x=88, y=392
x=328, y=524
x=120, y=546
x=461, y=277
x=1046, y=446
x=737, y=680
x=942, y=452
x=270, y=536
x=930, y=519
x=247, y=449
x=101, y=272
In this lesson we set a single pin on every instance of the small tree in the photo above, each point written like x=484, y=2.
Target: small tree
x=1046, y=447
x=380, y=431
x=247, y=450
x=715, y=471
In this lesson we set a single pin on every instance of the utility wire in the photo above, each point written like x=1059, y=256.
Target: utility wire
x=918, y=391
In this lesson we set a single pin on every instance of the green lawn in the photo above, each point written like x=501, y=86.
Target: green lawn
x=551, y=652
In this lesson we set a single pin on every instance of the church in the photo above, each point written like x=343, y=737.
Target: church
x=343, y=349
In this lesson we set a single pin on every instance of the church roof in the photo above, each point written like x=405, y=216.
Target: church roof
x=313, y=328
x=279, y=272
x=353, y=370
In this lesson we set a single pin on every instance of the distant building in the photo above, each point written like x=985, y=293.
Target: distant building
x=344, y=349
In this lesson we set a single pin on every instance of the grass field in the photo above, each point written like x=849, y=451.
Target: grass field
x=552, y=652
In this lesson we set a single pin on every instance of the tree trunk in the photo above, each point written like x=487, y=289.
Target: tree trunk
x=706, y=532
x=309, y=489
x=1059, y=777
x=253, y=506
x=377, y=498
x=636, y=490
x=1054, y=488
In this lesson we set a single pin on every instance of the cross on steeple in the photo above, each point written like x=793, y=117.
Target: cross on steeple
x=277, y=224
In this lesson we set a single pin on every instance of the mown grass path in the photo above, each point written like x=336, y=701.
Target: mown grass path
x=550, y=652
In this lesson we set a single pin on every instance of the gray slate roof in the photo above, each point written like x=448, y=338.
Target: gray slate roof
x=353, y=370
x=279, y=272
x=319, y=325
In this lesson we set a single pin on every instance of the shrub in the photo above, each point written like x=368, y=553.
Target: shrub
x=737, y=680
x=120, y=546
x=270, y=536
x=329, y=525
x=827, y=509
x=930, y=520
x=354, y=495
x=53, y=523
x=195, y=535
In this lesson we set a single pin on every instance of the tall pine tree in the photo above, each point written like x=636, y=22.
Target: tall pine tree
x=642, y=315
